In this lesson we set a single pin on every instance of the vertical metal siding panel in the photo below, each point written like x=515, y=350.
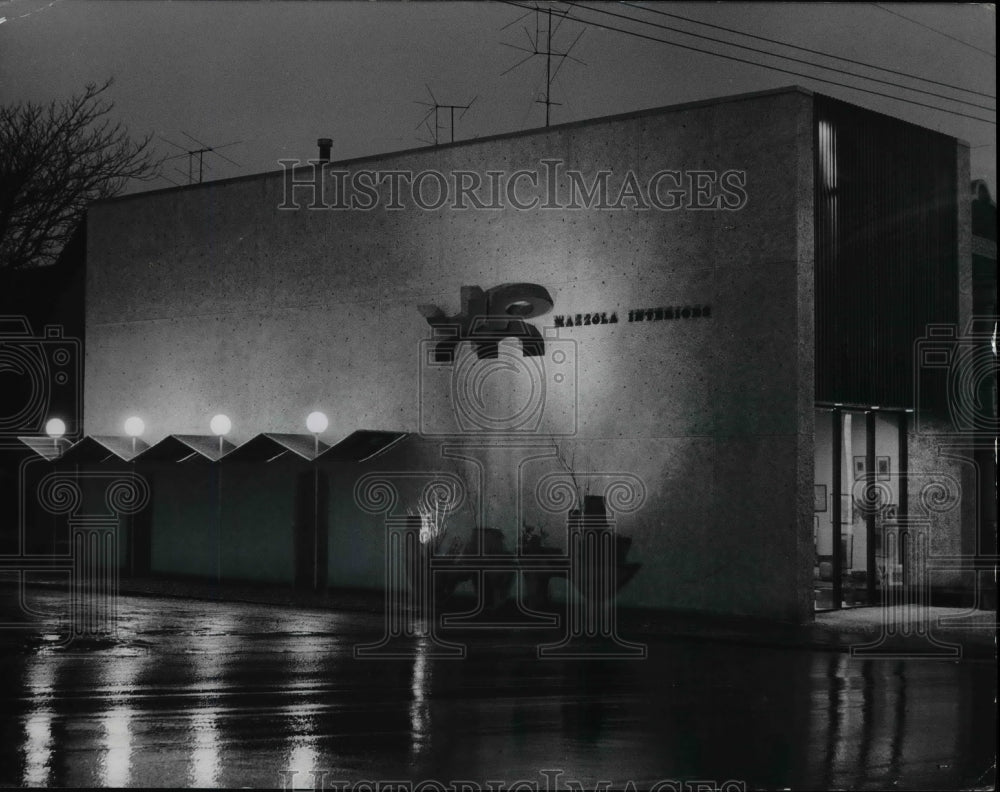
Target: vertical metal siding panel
x=886, y=306
x=819, y=243
x=872, y=212
x=886, y=252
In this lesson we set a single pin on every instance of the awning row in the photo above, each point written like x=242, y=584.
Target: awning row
x=358, y=446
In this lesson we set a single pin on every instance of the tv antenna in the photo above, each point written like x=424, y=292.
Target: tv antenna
x=198, y=153
x=534, y=49
x=435, y=110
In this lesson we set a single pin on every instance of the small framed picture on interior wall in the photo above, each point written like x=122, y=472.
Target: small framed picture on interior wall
x=882, y=468
x=860, y=467
x=819, y=497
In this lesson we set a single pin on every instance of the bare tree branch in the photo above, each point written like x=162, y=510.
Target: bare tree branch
x=56, y=159
x=570, y=467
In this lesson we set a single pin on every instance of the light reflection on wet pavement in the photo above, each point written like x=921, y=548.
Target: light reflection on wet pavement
x=198, y=693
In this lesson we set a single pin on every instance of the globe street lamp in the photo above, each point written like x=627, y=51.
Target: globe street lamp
x=55, y=428
x=316, y=422
x=220, y=425
x=134, y=427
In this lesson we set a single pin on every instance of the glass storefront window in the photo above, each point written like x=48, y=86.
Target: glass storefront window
x=858, y=458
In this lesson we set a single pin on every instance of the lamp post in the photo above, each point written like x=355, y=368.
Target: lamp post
x=55, y=428
x=134, y=427
x=220, y=425
x=316, y=422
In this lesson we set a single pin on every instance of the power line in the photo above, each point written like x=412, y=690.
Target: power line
x=765, y=66
x=807, y=49
x=776, y=55
x=935, y=30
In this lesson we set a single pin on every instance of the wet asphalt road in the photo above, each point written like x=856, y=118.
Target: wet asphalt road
x=198, y=693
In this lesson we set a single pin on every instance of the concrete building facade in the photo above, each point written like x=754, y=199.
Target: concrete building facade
x=667, y=261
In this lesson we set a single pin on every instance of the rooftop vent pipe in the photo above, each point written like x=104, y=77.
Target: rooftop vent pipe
x=325, y=145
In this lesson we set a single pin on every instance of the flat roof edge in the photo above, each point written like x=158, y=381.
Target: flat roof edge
x=485, y=139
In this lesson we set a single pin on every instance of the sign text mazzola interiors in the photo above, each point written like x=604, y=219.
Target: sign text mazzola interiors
x=660, y=314
x=488, y=317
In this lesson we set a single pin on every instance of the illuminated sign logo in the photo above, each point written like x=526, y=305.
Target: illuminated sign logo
x=488, y=317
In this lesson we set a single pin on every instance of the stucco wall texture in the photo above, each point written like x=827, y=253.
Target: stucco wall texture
x=210, y=299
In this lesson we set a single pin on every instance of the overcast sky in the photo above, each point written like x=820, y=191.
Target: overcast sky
x=277, y=75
